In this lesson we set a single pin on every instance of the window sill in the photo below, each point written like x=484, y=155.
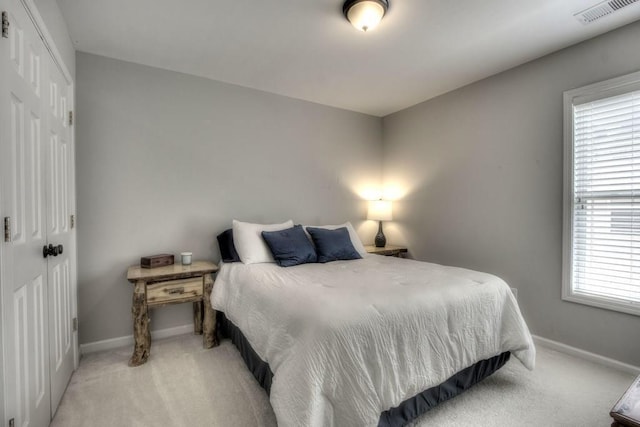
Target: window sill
x=602, y=302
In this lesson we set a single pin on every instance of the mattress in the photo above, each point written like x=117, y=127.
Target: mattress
x=348, y=340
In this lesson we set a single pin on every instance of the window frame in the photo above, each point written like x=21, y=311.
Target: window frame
x=605, y=89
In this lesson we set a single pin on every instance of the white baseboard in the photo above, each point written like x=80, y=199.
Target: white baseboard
x=127, y=340
x=583, y=354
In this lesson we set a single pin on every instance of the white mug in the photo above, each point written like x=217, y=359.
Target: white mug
x=186, y=258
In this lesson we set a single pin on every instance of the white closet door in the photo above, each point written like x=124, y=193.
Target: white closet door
x=59, y=234
x=23, y=61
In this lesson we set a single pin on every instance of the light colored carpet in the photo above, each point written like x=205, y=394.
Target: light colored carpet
x=184, y=385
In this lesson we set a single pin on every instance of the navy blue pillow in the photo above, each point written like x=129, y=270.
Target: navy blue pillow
x=333, y=245
x=227, y=248
x=290, y=247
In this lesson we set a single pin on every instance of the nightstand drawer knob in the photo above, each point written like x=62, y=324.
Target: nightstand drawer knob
x=176, y=291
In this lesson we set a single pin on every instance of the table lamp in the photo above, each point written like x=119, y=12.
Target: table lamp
x=380, y=210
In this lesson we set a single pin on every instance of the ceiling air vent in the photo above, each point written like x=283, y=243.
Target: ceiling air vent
x=602, y=9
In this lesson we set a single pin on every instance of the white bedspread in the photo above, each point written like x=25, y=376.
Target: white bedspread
x=348, y=340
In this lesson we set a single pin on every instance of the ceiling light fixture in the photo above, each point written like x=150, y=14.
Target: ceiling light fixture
x=365, y=15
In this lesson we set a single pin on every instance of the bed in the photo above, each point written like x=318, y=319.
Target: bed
x=372, y=341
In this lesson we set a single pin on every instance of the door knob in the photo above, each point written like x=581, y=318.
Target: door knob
x=51, y=250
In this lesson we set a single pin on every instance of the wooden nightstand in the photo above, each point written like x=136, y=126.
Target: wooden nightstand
x=388, y=250
x=173, y=284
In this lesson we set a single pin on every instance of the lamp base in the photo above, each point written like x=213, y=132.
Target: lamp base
x=380, y=240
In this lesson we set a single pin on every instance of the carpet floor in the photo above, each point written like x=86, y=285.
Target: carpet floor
x=184, y=385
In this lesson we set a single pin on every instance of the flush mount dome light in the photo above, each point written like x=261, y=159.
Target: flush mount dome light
x=365, y=14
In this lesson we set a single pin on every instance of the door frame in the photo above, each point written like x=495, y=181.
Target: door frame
x=2, y=273
x=47, y=39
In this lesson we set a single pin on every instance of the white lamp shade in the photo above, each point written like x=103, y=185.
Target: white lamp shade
x=380, y=210
x=365, y=15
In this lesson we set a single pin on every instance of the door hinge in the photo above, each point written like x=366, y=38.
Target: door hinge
x=70, y=118
x=5, y=25
x=72, y=221
x=12, y=422
x=7, y=229
x=75, y=324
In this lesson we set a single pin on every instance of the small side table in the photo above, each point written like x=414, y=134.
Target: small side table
x=388, y=250
x=627, y=411
x=172, y=284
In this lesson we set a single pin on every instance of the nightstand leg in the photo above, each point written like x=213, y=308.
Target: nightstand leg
x=141, y=333
x=209, y=323
x=197, y=317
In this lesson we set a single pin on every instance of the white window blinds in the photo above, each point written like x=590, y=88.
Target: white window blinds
x=606, y=198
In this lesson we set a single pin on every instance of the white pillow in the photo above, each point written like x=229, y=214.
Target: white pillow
x=355, y=239
x=250, y=245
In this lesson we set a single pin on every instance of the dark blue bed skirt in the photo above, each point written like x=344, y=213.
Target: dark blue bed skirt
x=399, y=416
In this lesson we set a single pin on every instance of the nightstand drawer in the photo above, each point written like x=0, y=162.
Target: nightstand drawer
x=174, y=290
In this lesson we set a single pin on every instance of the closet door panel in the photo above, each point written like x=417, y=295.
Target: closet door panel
x=59, y=233
x=24, y=276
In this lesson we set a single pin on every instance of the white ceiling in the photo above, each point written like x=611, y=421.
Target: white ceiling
x=305, y=49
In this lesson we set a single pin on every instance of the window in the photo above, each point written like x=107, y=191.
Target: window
x=602, y=195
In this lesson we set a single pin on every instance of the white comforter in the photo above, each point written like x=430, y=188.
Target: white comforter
x=348, y=340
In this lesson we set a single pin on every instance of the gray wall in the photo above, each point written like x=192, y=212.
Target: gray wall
x=165, y=161
x=57, y=27
x=481, y=169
